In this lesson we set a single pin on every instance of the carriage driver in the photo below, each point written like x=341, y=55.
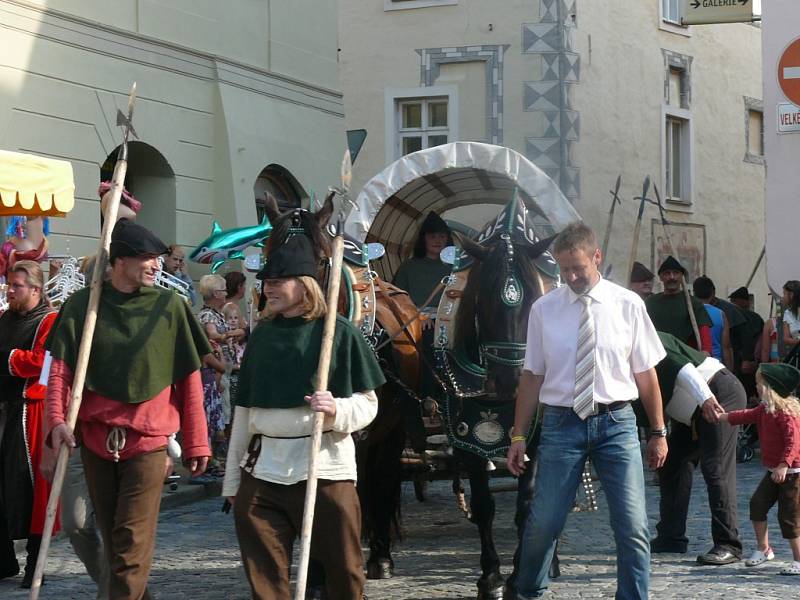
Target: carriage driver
x=272, y=427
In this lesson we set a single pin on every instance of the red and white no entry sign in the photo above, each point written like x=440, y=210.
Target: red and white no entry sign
x=789, y=72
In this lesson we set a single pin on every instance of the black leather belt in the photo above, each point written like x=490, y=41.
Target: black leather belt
x=602, y=408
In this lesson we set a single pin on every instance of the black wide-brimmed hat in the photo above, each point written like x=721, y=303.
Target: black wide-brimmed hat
x=294, y=258
x=131, y=239
x=671, y=264
x=640, y=273
x=741, y=293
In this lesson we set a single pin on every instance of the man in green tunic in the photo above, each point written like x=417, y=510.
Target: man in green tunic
x=669, y=312
x=692, y=383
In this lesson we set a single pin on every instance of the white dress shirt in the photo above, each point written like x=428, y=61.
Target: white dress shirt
x=691, y=389
x=625, y=343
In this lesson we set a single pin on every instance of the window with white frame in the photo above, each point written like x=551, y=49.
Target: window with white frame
x=421, y=123
x=676, y=153
x=677, y=132
x=671, y=11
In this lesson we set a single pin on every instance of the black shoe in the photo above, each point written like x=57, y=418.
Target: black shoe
x=660, y=546
x=9, y=572
x=718, y=556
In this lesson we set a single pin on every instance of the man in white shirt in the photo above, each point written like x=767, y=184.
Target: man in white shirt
x=591, y=349
x=690, y=380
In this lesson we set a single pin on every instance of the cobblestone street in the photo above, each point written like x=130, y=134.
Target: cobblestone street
x=197, y=556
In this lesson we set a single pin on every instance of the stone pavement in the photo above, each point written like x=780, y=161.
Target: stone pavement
x=197, y=557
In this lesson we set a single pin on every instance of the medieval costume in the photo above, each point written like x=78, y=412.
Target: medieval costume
x=641, y=280
x=669, y=313
x=142, y=384
x=687, y=379
x=270, y=441
x=420, y=274
x=23, y=489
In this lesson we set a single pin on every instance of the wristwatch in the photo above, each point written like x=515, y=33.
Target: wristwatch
x=658, y=432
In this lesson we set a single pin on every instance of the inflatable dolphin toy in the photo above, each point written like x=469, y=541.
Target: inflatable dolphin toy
x=229, y=244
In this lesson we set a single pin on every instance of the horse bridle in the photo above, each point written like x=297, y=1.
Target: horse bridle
x=507, y=354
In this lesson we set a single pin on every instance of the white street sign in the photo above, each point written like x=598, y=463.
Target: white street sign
x=699, y=12
x=788, y=118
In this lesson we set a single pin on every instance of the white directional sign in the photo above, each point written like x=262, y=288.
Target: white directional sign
x=698, y=12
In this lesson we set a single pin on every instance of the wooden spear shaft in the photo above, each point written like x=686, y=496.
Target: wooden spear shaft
x=84, y=350
x=81, y=365
x=326, y=348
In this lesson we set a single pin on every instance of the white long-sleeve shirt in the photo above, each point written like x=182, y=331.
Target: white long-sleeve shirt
x=285, y=461
x=691, y=389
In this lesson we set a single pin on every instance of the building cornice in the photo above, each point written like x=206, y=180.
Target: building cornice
x=119, y=44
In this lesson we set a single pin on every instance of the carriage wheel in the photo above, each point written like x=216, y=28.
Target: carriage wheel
x=420, y=488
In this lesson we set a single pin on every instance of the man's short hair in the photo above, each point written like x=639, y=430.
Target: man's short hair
x=33, y=272
x=703, y=287
x=576, y=236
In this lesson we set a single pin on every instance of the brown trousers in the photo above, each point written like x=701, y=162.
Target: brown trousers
x=269, y=517
x=787, y=495
x=126, y=497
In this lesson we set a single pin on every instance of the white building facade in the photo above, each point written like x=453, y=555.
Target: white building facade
x=233, y=98
x=587, y=91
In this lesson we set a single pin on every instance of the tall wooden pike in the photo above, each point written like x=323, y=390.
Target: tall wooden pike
x=321, y=383
x=638, y=227
x=614, y=202
x=668, y=236
x=85, y=347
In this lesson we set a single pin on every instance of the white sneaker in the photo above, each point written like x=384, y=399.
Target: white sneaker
x=758, y=557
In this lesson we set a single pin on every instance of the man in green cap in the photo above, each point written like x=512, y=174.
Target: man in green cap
x=751, y=334
x=692, y=383
x=641, y=280
x=668, y=310
x=142, y=385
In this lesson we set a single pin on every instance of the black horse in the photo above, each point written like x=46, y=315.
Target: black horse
x=508, y=261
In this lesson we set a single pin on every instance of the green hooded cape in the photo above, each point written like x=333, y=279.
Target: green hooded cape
x=143, y=342
x=281, y=358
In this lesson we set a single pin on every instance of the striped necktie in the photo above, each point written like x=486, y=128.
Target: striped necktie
x=584, y=362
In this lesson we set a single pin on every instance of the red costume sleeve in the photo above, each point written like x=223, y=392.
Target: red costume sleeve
x=790, y=432
x=28, y=363
x=749, y=415
x=59, y=384
x=706, y=344
x=189, y=396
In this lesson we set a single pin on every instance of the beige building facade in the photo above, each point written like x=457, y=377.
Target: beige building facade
x=233, y=98
x=587, y=91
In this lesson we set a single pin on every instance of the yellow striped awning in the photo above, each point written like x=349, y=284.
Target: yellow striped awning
x=34, y=186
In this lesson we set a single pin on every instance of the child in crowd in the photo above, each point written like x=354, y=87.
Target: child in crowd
x=234, y=351
x=777, y=418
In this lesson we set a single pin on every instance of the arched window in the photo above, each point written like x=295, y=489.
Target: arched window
x=281, y=184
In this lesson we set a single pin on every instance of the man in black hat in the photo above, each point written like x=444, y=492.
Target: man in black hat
x=641, y=280
x=749, y=338
x=420, y=274
x=142, y=385
x=668, y=310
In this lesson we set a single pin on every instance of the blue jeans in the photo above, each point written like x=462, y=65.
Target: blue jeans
x=611, y=441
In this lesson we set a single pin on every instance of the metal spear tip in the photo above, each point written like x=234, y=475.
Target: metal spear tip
x=347, y=171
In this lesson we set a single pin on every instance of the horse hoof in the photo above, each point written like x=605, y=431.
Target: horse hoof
x=382, y=568
x=555, y=570
x=491, y=587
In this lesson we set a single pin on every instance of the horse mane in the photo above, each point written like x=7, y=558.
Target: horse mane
x=487, y=278
x=301, y=219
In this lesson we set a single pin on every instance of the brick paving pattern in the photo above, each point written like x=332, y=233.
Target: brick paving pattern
x=197, y=556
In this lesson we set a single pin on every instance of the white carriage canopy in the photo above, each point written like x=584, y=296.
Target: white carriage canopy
x=393, y=204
